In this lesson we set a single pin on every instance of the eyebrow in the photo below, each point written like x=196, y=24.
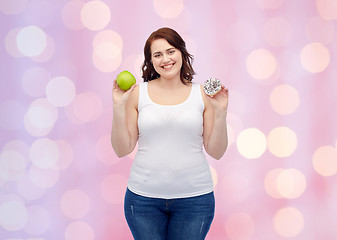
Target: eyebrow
x=166, y=50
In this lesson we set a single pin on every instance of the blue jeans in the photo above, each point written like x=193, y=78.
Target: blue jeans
x=169, y=219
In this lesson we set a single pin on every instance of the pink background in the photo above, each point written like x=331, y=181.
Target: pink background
x=59, y=177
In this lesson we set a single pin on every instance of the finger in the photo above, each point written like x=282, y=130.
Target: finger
x=224, y=90
x=132, y=87
x=129, y=91
x=115, y=84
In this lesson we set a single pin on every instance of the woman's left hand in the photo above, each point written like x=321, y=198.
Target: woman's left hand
x=220, y=100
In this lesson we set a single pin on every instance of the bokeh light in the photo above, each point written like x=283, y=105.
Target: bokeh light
x=269, y=4
x=327, y=9
x=13, y=215
x=108, y=36
x=47, y=53
x=12, y=165
x=315, y=57
x=282, y=141
x=27, y=189
x=291, y=183
x=135, y=61
x=171, y=10
x=95, y=15
x=38, y=220
x=284, y=99
x=31, y=41
x=61, y=179
x=66, y=154
x=75, y=203
x=18, y=146
x=270, y=183
x=107, y=65
x=288, y=222
x=44, y=153
x=285, y=183
x=261, y=64
x=85, y=107
x=44, y=178
x=40, y=117
x=79, y=230
x=251, y=143
x=324, y=160
x=11, y=45
x=71, y=14
x=60, y=91
x=107, y=51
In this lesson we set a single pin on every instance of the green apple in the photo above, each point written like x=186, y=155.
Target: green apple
x=125, y=80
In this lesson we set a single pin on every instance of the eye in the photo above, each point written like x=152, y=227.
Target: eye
x=156, y=55
x=171, y=51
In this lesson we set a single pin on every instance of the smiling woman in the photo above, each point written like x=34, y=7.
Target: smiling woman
x=61, y=179
x=171, y=118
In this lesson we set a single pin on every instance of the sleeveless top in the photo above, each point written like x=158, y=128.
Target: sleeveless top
x=170, y=162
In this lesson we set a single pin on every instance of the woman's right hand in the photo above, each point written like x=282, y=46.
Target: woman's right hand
x=119, y=96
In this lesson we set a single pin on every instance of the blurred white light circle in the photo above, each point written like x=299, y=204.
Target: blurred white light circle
x=31, y=41
x=261, y=64
x=282, y=141
x=171, y=10
x=38, y=220
x=251, y=143
x=40, y=117
x=288, y=222
x=95, y=15
x=315, y=57
x=44, y=153
x=60, y=91
x=12, y=165
x=13, y=215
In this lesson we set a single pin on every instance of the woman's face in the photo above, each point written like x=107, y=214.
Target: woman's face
x=166, y=59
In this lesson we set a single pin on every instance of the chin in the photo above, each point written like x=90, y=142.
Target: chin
x=170, y=76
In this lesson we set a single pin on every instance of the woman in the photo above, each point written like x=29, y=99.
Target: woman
x=170, y=190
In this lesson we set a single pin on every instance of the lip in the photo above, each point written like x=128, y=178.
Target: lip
x=167, y=66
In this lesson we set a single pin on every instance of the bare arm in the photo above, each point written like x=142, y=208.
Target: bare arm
x=124, y=132
x=215, y=124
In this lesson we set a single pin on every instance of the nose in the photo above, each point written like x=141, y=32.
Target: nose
x=166, y=58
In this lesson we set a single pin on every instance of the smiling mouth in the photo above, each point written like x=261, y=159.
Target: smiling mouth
x=168, y=66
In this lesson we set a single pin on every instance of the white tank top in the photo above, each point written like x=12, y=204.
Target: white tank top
x=170, y=162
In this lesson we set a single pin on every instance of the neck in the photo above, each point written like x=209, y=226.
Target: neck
x=170, y=83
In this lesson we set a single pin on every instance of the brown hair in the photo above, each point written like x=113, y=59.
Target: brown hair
x=174, y=39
